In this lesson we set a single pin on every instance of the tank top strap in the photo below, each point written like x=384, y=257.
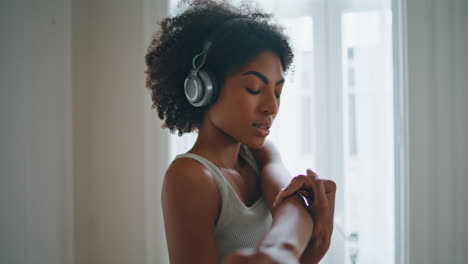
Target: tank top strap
x=228, y=196
x=214, y=170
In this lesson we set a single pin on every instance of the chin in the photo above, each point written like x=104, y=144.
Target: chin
x=255, y=144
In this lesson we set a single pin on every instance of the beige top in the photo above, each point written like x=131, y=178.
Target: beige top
x=238, y=226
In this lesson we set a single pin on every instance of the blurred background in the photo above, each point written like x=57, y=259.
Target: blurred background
x=378, y=99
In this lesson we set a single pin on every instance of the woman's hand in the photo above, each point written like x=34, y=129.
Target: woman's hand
x=320, y=194
x=264, y=255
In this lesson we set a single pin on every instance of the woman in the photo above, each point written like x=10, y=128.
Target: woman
x=219, y=70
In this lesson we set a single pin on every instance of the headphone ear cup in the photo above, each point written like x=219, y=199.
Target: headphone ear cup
x=210, y=88
x=193, y=88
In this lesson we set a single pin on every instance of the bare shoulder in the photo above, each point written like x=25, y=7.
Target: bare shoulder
x=186, y=177
x=185, y=165
x=190, y=203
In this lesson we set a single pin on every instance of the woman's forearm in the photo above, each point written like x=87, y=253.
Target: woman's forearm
x=291, y=228
x=292, y=223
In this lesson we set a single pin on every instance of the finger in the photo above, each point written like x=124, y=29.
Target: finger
x=313, y=177
x=308, y=186
x=320, y=198
x=330, y=186
x=331, y=194
x=297, y=183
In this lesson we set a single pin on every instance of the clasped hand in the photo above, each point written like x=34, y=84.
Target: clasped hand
x=320, y=194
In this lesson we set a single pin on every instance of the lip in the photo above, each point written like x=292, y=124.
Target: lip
x=267, y=124
x=262, y=131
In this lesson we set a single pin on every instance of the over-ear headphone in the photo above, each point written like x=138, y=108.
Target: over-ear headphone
x=200, y=86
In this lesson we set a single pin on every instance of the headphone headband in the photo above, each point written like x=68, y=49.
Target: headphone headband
x=208, y=42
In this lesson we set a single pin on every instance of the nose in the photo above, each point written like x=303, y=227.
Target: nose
x=270, y=105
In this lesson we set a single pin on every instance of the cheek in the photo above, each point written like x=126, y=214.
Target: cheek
x=236, y=112
x=236, y=103
x=239, y=100
x=245, y=105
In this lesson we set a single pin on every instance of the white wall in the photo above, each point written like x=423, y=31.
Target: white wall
x=108, y=139
x=156, y=149
x=96, y=47
x=438, y=130
x=36, y=215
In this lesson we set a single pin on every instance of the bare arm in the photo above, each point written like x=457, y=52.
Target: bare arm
x=292, y=223
x=190, y=223
x=321, y=210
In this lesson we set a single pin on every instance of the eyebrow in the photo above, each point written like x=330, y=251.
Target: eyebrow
x=262, y=77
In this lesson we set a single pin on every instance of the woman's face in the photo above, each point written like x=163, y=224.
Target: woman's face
x=249, y=99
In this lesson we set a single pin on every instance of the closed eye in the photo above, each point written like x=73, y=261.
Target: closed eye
x=252, y=91
x=257, y=92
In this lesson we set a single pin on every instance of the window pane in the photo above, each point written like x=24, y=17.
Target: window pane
x=368, y=174
x=293, y=131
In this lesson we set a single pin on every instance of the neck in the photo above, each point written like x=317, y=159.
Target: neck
x=214, y=144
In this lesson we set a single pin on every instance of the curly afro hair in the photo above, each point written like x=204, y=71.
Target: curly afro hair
x=181, y=37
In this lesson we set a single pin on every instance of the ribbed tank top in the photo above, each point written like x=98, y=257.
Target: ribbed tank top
x=238, y=226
